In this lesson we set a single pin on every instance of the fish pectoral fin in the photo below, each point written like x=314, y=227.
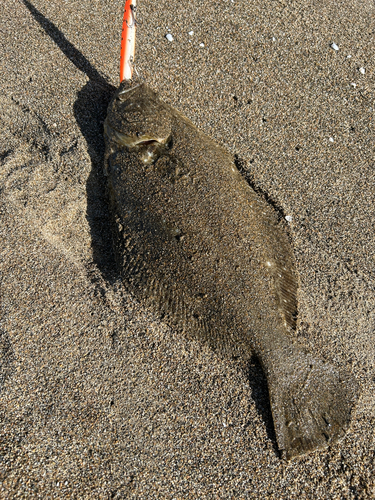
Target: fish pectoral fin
x=314, y=409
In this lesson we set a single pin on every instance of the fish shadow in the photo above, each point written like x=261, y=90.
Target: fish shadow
x=90, y=109
x=259, y=393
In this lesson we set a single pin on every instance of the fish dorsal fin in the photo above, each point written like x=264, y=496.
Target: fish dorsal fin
x=281, y=265
x=286, y=293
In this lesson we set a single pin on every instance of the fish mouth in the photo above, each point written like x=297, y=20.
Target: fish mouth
x=125, y=91
x=131, y=141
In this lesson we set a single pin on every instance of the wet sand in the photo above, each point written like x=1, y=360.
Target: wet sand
x=98, y=397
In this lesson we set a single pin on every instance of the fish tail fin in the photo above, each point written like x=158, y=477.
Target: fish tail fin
x=312, y=405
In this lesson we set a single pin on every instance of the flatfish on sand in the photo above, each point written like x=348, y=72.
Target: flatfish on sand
x=194, y=242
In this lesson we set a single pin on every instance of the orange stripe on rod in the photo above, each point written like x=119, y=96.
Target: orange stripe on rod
x=128, y=41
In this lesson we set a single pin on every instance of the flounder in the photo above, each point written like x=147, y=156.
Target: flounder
x=198, y=245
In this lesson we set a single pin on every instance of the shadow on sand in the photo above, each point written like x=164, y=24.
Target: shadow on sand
x=90, y=110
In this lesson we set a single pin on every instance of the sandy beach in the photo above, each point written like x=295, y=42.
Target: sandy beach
x=98, y=397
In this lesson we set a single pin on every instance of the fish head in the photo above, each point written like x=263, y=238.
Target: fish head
x=137, y=119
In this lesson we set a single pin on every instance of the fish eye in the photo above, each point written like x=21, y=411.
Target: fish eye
x=137, y=134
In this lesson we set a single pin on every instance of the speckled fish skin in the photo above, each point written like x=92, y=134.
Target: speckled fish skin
x=195, y=243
